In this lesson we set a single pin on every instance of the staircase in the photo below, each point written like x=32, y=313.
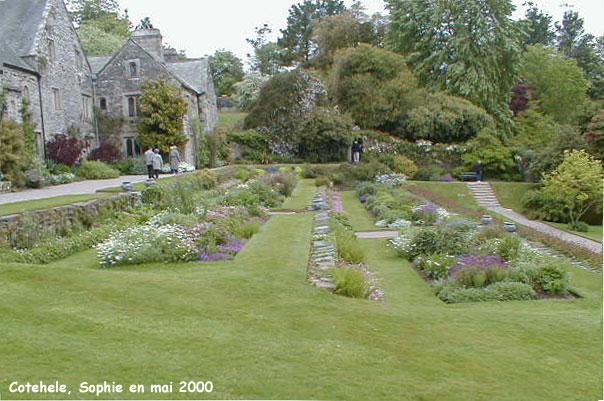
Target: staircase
x=484, y=194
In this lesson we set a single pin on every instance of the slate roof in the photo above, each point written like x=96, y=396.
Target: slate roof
x=98, y=62
x=193, y=72
x=20, y=21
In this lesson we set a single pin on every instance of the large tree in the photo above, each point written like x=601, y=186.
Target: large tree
x=539, y=26
x=470, y=48
x=102, y=27
x=297, y=36
x=163, y=109
x=559, y=83
x=268, y=56
x=227, y=70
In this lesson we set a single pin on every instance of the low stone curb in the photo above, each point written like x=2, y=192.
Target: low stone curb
x=323, y=255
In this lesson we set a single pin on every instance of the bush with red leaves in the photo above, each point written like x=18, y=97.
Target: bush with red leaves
x=106, y=153
x=64, y=149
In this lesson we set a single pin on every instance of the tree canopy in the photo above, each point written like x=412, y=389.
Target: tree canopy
x=469, y=48
x=227, y=70
x=163, y=109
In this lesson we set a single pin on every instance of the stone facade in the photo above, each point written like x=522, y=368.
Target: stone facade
x=42, y=60
x=143, y=57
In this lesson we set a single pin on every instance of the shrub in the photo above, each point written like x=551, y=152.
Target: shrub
x=425, y=242
x=95, y=170
x=350, y=282
x=508, y=247
x=398, y=163
x=437, y=265
x=480, y=276
x=429, y=173
x=284, y=182
x=322, y=182
x=552, y=279
x=500, y=291
x=174, y=218
x=248, y=229
x=147, y=244
x=353, y=173
x=106, y=153
x=254, y=140
x=324, y=136
x=65, y=149
x=579, y=226
x=126, y=166
x=366, y=188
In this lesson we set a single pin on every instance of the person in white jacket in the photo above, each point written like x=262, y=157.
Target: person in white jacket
x=158, y=163
x=149, y=161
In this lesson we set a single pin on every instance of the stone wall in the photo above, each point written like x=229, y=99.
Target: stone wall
x=35, y=225
x=115, y=84
x=66, y=71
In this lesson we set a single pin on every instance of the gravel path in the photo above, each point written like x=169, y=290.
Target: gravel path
x=74, y=188
x=377, y=234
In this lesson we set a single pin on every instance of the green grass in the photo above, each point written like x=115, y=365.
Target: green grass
x=363, y=220
x=38, y=204
x=451, y=190
x=302, y=196
x=230, y=120
x=595, y=232
x=510, y=193
x=256, y=329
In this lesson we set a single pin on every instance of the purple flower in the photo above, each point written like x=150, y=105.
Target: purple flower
x=447, y=178
x=212, y=257
x=476, y=261
x=363, y=198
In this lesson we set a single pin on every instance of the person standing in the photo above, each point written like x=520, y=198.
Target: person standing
x=356, y=152
x=149, y=161
x=158, y=163
x=479, y=169
x=174, y=159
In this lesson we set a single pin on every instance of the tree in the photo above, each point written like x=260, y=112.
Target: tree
x=565, y=138
x=532, y=130
x=469, y=48
x=498, y=159
x=559, y=83
x=227, y=70
x=538, y=26
x=576, y=184
x=595, y=135
x=247, y=91
x=522, y=95
x=163, y=110
x=570, y=31
x=374, y=86
x=297, y=36
x=268, y=56
x=101, y=26
x=11, y=149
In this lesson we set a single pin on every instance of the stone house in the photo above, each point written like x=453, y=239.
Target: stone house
x=117, y=79
x=42, y=61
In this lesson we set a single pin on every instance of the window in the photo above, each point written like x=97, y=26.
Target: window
x=133, y=69
x=133, y=106
x=79, y=59
x=26, y=94
x=51, y=49
x=129, y=147
x=103, y=104
x=56, y=96
x=86, y=107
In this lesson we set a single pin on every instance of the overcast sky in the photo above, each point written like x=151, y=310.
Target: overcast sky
x=202, y=26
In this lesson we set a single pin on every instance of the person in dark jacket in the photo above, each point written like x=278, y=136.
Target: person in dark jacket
x=356, y=151
x=479, y=169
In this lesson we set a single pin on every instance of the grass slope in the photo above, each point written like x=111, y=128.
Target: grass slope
x=451, y=190
x=25, y=206
x=230, y=120
x=256, y=329
x=363, y=220
x=302, y=196
x=594, y=232
x=510, y=194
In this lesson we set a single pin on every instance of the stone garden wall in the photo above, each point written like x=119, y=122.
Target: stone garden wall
x=29, y=227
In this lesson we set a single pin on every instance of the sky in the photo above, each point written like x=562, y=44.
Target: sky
x=203, y=26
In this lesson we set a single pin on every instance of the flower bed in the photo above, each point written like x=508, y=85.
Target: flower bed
x=206, y=228
x=465, y=263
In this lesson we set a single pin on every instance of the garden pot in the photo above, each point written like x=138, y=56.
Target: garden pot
x=509, y=227
x=127, y=186
x=150, y=182
x=487, y=219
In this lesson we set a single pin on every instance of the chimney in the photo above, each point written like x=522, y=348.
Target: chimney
x=151, y=41
x=171, y=55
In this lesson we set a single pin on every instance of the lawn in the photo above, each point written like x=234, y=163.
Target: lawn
x=302, y=196
x=25, y=206
x=594, y=232
x=230, y=120
x=256, y=329
x=363, y=220
x=510, y=194
x=457, y=191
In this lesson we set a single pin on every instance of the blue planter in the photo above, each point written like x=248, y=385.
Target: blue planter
x=127, y=186
x=509, y=227
x=487, y=219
